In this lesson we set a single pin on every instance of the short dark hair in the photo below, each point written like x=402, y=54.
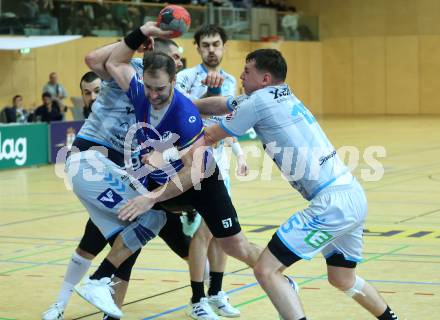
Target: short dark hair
x=15, y=98
x=210, y=30
x=46, y=95
x=163, y=45
x=154, y=61
x=88, y=77
x=269, y=60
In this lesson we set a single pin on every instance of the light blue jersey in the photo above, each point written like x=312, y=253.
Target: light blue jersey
x=189, y=82
x=291, y=136
x=112, y=115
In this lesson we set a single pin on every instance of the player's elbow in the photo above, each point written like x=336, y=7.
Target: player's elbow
x=92, y=61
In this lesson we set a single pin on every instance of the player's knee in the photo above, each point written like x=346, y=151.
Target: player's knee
x=233, y=246
x=261, y=272
x=342, y=283
x=124, y=270
x=203, y=234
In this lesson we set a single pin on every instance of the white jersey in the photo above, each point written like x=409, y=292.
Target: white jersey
x=291, y=136
x=112, y=115
x=189, y=82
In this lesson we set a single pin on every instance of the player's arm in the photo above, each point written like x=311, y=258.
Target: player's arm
x=191, y=174
x=118, y=65
x=213, y=106
x=96, y=60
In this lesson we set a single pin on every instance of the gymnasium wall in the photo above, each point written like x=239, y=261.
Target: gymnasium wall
x=378, y=56
x=27, y=74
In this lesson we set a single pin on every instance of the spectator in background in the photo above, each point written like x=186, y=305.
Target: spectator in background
x=55, y=89
x=16, y=113
x=49, y=111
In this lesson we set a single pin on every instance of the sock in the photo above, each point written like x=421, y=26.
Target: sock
x=106, y=269
x=76, y=270
x=388, y=315
x=215, y=283
x=198, y=291
x=206, y=273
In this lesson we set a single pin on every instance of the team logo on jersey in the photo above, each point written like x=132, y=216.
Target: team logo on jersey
x=278, y=93
x=192, y=119
x=109, y=198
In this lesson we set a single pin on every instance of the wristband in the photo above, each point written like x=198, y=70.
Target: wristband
x=135, y=39
x=215, y=90
x=236, y=149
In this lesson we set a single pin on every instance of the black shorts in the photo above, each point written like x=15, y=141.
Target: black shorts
x=287, y=257
x=213, y=203
x=172, y=234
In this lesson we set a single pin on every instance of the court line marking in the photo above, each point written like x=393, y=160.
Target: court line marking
x=40, y=218
x=320, y=277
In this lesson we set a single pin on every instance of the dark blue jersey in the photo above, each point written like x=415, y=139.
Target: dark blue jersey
x=180, y=127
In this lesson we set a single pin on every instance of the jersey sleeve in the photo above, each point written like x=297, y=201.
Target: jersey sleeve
x=190, y=126
x=241, y=119
x=137, y=97
x=183, y=82
x=230, y=88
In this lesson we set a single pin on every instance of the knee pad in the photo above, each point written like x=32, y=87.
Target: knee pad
x=92, y=241
x=124, y=270
x=357, y=288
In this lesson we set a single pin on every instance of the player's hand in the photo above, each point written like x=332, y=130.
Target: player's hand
x=152, y=30
x=148, y=45
x=213, y=80
x=135, y=207
x=242, y=167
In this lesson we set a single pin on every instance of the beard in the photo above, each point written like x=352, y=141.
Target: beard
x=212, y=61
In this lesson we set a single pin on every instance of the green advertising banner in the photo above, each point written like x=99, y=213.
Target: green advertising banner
x=23, y=145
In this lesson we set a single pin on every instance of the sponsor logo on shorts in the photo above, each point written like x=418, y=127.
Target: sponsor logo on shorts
x=192, y=119
x=317, y=238
x=109, y=198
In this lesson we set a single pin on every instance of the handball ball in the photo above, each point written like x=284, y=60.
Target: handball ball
x=174, y=18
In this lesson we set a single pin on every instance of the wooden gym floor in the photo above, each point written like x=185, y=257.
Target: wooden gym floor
x=41, y=223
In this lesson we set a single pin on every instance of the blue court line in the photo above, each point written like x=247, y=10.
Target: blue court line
x=226, y=274
x=296, y=277
x=184, y=306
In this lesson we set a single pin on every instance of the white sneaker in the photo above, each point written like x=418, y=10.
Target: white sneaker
x=189, y=226
x=99, y=293
x=220, y=304
x=55, y=312
x=201, y=310
x=294, y=286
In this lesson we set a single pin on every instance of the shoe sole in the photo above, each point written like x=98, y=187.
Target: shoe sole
x=111, y=314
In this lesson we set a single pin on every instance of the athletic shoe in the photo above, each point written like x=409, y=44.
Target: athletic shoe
x=201, y=310
x=220, y=304
x=190, y=224
x=294, y=286
x=99, y=293
x=55, y=312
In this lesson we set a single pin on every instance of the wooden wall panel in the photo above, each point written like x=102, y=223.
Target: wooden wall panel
x=368, y=18
x=337, y=66
x=428, y=16
x=369, y=80
x=316, y=78
x=401, y=17
x=429, y=47
x=402, y=62
x=335, y=18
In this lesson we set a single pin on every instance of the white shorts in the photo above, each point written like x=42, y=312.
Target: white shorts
x=333, y=223
x=103, y=188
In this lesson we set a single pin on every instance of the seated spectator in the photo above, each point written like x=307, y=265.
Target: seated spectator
x=49, y=111
x=16, y=113
x=55, y=89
